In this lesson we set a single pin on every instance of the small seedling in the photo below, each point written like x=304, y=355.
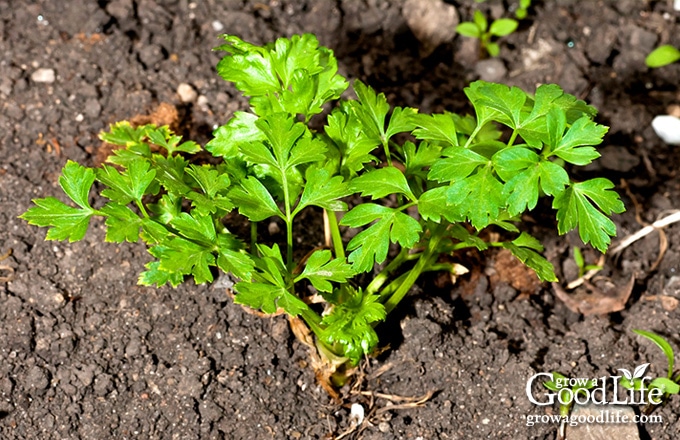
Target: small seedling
x=479, y=28
x=522, y=9
x=431, y=195
x=668, y=385
x=662, y=56
x=559, y=385
x=581, y=263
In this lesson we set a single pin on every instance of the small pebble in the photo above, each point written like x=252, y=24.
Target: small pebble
x=186, y=93
x=79, y=117
x=43, y=75
x=491, y=70
x=217, y=26
x=667, y=127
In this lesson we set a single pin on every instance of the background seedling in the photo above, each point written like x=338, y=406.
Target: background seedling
x=559, y=384
x=479, y=28
x=662, y=56
x=668, y=385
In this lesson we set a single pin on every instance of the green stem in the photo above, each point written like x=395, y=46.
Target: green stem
x=253, y=237
x=382, y=277
x=140, y=205
x=424, y=261
x=313, y=320
x=289, y=221
x=388, y=157
x=335, y=234
x=473, y=135
x=512, y=138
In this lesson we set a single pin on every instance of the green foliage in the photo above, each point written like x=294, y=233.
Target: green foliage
x=662, y=56
x=431, y=183
x=479, y=28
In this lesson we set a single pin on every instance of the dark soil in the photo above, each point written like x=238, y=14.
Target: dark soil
x=88, y=354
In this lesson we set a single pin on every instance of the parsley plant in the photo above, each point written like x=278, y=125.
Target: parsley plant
x=430, y=185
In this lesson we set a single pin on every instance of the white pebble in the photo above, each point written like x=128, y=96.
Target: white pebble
x=79, y=117
x=217, y=26
x=676, y=5
x=186, y=93
x=667, y=127
x=43, y=75
x=356, y=414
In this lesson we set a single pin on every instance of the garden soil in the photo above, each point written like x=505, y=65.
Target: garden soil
x=85, y=353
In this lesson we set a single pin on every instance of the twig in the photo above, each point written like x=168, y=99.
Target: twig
x=661, y=223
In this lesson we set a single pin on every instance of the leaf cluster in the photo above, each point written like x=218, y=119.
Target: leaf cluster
x=430, y=184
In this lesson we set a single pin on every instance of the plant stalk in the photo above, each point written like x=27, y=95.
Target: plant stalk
x=335, y=234
x=425, y=260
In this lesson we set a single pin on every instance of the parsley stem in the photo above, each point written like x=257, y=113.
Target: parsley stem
x=382, y=277
x=289, y=221
x=388, y=157
x=472, y=136
x=426, y=259
x=512, y=138
x=335, y=234
x=140, y=205
x=253, y=237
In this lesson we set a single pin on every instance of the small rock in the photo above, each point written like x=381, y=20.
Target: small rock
x=43, y=75
x=600, y=430
x=37, y=378
x=491, y=70
x=217, y=26
x=186, y=93
x=356, y=414
x=433, y=22
x=667, y=127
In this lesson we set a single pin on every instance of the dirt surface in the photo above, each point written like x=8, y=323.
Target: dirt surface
x=88, y=354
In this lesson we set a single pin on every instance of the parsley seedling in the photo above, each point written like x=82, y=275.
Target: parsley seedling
x=430, y=185
x=479, y=28
x=662, y=56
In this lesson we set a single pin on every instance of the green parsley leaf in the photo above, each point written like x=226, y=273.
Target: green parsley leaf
x=122, y=133
x=480, y=197
x=240, y=129
x=433, y=205
x=459, y=164
x=582, y=132
x=323, y=190
x=197, y=228
x=254, y=200
x=350, y=325
x=381, y=182
x=122, y=224
x=76, y=181
x=372, y=110
x=320, y=270
x=439, y=127
x=496, y=102
x=183, y=257
x=525, y=248
x=155, y=275
x=402, y=120
x=65, y=222
x=574, y=209
x=347, y=132
x=372, y=244
x=524, y=173
x=129, y=185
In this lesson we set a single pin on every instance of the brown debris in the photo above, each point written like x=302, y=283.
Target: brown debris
x=512, y=271
x=600, y=299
